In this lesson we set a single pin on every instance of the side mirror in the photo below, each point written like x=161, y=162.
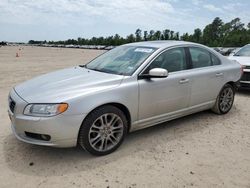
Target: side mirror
x=158, y=73
x=155, y=73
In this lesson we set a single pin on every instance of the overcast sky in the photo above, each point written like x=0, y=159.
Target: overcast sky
x=22, y=20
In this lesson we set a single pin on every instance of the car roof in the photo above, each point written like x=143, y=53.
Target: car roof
x=161, y=43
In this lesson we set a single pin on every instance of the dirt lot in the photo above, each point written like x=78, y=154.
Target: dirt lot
x=202, y=150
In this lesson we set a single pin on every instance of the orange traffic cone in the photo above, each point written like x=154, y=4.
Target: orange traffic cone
x=17, y=55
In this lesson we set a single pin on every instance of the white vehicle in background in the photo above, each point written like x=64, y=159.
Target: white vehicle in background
x=234, y=51
x=243, y=57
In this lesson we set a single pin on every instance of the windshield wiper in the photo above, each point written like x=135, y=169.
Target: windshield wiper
x=111, y=72
x=95, y=69
x=84, y=66
x=101, y=70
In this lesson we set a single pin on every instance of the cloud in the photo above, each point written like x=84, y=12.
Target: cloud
x=212, y=8
x=127, y=11
x=144, y=14
x=232, y=6
x=196, y=2
x=87, y=18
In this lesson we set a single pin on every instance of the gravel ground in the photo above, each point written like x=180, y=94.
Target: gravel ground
x=200, y=150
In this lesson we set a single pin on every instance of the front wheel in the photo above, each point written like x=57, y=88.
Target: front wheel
x=225, y=99
x=103, y=130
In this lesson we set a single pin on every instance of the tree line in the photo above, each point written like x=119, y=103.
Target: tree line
x=230, y=34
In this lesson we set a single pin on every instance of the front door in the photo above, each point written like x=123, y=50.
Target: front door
x=160, y=98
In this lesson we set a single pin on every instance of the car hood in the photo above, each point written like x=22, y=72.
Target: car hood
x=242, y=60
x=66, y=84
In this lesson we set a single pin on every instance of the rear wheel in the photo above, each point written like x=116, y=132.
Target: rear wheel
x=103, y=130
x=224, y=100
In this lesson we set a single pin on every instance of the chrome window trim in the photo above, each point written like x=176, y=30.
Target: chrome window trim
x=179, y=46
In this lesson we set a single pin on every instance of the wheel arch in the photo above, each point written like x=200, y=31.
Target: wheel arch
x=215, y=108
x=120, y=106
x=125, y=110
x=233, y=84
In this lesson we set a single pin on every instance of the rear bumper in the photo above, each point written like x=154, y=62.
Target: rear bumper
x=62, y=129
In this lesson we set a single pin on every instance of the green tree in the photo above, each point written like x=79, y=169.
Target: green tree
x=236, y=24
x=130, y=38
x=177, y=36
x=157, y=35
x=166, y=34
x=213, y=32
x=117, y=40
x=151, y=34
x=197, y=35
x=171, y=35
x=217, y=33
x=138, y=35
x=145, y=36
x=185, y=37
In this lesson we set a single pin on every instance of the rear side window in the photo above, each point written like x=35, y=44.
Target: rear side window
x=203, y=58
x=215, y=60
x=172, y=60
x=200, y=57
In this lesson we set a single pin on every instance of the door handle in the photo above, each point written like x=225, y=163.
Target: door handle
x=183, y=81
x=219, y=74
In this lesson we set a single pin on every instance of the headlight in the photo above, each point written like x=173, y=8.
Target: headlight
x=45, y=110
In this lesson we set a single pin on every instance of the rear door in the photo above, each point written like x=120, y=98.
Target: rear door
x=206, y=78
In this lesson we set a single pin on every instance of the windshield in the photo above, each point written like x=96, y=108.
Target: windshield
x=245, y=51
x=122, y=60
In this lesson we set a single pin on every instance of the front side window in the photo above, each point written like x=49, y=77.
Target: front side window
x=200, y=57
x=172, y=60
x=122, y=60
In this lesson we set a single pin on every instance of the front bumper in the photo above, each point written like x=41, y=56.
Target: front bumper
x=62, y=129
x=245, y=79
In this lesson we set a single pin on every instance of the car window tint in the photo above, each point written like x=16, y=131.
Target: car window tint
x=172, y=60
x=215, y=60
x=200, y=57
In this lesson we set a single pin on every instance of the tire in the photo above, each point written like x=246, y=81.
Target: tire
x=225, y=99
x=103, y=130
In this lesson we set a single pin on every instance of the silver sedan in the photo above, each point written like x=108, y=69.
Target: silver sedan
x=131, y=87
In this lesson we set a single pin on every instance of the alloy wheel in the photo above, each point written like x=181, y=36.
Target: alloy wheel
x=226, y=99
x=106, y=132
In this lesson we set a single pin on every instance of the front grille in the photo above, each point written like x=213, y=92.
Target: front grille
x=12, y=105
x=245, y=76
x=247, y=67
